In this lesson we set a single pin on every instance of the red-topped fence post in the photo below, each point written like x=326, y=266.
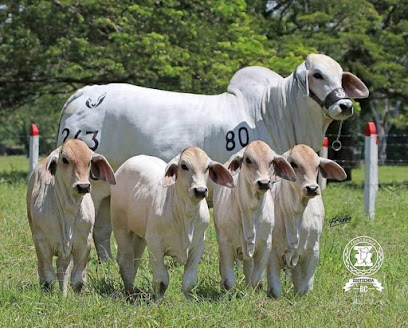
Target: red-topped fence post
x=371, y=169
x=324, y=151
x=34, y=146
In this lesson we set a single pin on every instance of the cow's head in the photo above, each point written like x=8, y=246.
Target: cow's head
x=256, y=163
x=73, y=163
x=306, y=164
x=190, y=170
x=323, y=79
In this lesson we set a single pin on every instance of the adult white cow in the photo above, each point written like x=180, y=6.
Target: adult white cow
x=122, y=120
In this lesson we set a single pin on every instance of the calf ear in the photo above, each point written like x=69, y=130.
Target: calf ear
x=302, y=77
x=51, y=163
x=354, y=87
x=331, y=170
x=236, y=162
x=170, y=175
x=220, y=175
x=283, y=169
x=101, y=170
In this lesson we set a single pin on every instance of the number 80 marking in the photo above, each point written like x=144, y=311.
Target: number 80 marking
x=243, y=138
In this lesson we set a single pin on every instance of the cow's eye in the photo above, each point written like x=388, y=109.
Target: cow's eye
x=184, y=167
x=318, y=76
x=248, y=161
x=293, y=164
x=65, y=160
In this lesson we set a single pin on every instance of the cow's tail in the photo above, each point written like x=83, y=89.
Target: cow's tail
x=76, y=95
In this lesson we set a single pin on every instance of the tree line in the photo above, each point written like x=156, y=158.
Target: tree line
x=50, y=48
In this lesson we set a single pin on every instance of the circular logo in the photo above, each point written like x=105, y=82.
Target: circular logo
x=363, y=256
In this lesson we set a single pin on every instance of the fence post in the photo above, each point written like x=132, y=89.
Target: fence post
x=34, y=146
x=371, y=169
x=323, y=153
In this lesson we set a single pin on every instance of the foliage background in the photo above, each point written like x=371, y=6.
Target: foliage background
x=50, y=48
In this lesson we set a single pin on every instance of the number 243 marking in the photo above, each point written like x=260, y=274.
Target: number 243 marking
x=76, y=136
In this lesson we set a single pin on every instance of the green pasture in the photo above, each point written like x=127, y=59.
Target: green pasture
x=23, y=304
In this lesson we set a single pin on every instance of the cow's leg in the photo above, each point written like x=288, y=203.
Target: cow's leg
x=102, y=230
x=46, y=271
x=125, y=258
x=226, y=266
x=63, y=272
x=303, y=275
x=81, y=256
x=139, y=245
x=160, y=273
x=273, y=276
x=248, y=267
x=260, y=261
x=190, y=269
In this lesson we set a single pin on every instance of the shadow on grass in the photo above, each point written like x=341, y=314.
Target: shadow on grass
x=13, y=176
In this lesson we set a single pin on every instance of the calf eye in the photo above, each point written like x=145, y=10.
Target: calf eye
x=293, y=164
x=248, y=161
x=184, y=167
x=65, y=160
x=318, y=76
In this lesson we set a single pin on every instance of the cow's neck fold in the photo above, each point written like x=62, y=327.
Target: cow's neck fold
x=291, y=117
x=67, y=208
x=293, y=207
x=184, y=211
x=248, y=206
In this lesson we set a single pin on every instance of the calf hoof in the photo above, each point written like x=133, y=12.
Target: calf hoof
x=271, y=294
x=160, y=290
x=226, y=285
x=47, y=286
x=78, y=287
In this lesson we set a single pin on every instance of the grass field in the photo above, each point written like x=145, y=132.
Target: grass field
x=23, y=304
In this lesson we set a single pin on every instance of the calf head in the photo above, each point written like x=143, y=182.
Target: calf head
x=306, y=164
x=190, y=170
x=256, y=163
x=323, y=79
x=73, y=162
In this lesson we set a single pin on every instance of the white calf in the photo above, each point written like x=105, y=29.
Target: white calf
x=299, y=216
x=61, y=212
x=242, y=231
x=165, y=208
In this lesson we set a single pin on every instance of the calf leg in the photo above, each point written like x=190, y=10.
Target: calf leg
x=102, y=231
x=160, y=273
x=303, y=275
x=273, y=276
x=227, y=266
x=125, y=258
x=81, y=256
x=190, y=269
x=248, y=267
x=139, y=245
x=46, y=271
x=62, y=272
x=260, y=261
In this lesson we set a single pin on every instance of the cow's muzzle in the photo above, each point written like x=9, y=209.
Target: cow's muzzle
x=83, y=188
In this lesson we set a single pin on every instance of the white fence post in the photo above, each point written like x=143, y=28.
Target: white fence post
x=34, y=146
x=323, y=153
x=371, y=169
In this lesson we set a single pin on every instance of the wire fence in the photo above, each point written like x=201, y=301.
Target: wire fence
x=392, y=150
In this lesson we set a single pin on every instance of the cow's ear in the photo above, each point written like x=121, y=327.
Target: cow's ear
x=220, y=175
x=101, y=169
x=170, y=173
x=354, y=87
x=283, y=169
x=235, y=162
x=51, y=163
x=331, y=170
x=302, y=77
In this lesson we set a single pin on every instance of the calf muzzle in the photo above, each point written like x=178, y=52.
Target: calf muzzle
x=84, y=188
